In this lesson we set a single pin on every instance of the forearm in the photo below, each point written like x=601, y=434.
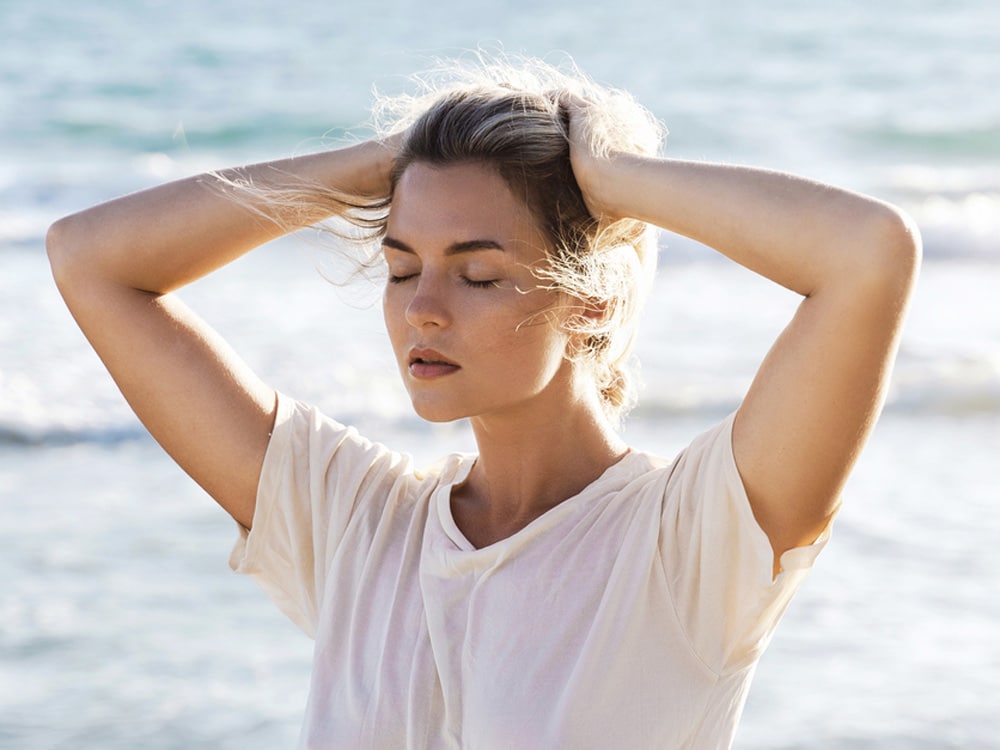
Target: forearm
x=162, y=238
x=801, y=234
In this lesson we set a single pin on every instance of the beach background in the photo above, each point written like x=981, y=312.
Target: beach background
x=120, y=623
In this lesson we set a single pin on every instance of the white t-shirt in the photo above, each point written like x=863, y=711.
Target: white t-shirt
x=629, y=616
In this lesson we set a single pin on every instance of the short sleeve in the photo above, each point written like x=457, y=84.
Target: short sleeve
x=718, y=561
x=318, y=478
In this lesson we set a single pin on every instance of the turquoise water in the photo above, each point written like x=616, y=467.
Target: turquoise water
x=120, y=626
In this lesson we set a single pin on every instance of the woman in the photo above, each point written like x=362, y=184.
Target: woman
x=557, y=589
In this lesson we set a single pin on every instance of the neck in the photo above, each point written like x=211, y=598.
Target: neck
x=529, y=463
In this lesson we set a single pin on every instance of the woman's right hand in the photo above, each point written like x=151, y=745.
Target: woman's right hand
x=384, y=156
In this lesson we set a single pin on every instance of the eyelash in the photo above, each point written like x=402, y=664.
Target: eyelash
x=489, y=283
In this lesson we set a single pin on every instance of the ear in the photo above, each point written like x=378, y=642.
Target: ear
x=594, y=310
x=582, y=314
x=584, y=327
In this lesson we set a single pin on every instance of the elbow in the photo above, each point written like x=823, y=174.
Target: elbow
x=58, y=244
x=66, y=250
x=897, y=248
x=886, y=254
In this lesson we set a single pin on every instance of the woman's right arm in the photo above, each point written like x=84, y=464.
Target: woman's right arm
x=116, y=264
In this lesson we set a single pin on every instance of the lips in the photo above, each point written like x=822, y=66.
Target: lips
x=428, y=363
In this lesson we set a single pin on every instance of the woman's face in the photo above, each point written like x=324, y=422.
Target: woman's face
x=470, y=327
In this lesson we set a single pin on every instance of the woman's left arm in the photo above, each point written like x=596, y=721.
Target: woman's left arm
x=854, y=260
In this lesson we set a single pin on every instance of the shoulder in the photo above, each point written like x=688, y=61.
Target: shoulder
x=709, y=461
x=706, y=459
x=336, y=459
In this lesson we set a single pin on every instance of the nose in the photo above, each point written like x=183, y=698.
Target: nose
x=428, y=305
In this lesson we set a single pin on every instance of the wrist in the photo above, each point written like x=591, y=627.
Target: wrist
x=362, y=170
x=601, y=180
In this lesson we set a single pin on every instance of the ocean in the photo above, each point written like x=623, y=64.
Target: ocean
x=120, y=623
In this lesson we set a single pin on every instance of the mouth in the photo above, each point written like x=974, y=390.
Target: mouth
x=430, y=357
x=427, y=363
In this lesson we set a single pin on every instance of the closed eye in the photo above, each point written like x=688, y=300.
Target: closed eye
x=474, y=283
x=486, y=284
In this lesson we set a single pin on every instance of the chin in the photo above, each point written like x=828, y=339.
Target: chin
x=437, y=419
x=437, y=413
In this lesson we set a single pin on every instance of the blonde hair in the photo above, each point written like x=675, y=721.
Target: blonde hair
x=511, y=114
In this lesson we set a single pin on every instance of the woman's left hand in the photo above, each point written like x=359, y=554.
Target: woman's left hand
x=593, y=171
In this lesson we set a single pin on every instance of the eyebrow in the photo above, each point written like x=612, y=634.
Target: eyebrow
x=456, y=248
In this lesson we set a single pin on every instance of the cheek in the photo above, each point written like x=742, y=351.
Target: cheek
x=536, y=349
x=531, y=319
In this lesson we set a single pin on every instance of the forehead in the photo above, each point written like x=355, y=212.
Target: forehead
x=437, y=206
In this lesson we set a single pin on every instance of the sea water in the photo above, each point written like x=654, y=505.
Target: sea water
x=120, y=624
